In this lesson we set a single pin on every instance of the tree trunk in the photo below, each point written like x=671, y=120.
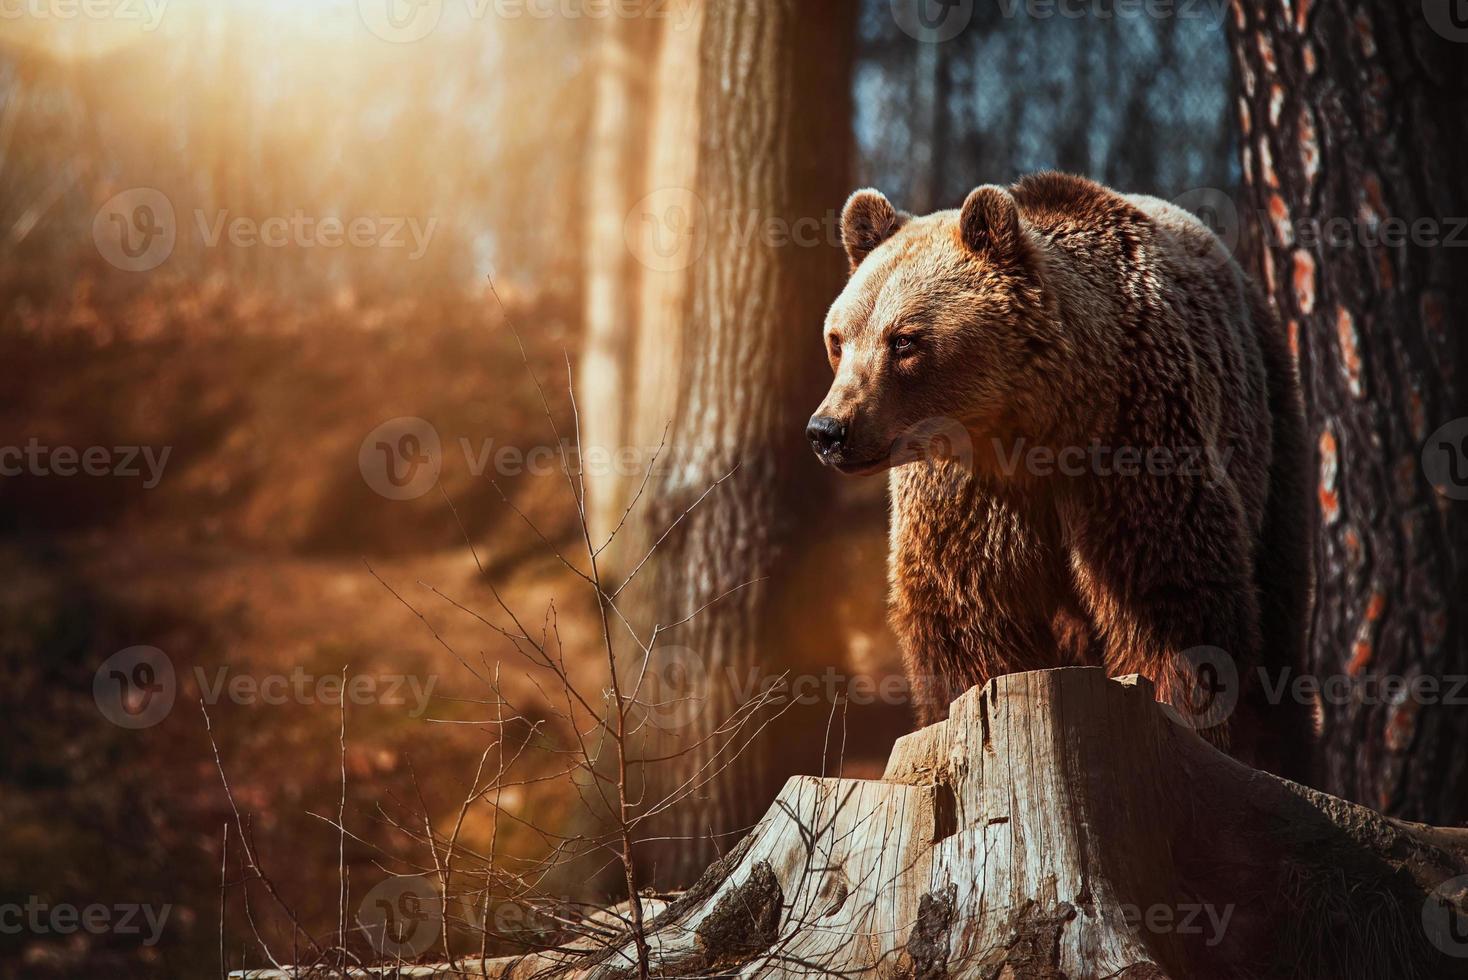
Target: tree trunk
x=930, y=122
x=662, y=261
x=1059, y=824
x=754, y=234
x=613, y=174
x=1353, y=142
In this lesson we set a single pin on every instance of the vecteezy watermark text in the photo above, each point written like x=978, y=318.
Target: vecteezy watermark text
x=146, y=13
x=1103, y=460
x=402, y=458
x=406, y=21
x=136, y=688
x=1187, y=919
x=34, y=459
x=42, y=918
x=137, y=230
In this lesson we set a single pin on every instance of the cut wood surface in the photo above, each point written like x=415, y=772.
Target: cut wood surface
x=1059, y=824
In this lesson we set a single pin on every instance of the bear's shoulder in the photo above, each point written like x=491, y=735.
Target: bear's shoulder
x=1051, y=198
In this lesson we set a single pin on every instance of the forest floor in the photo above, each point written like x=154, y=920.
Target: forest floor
x=247, y=564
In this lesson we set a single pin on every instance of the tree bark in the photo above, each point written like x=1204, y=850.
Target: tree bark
x=1059, y=824
x=662, y=266
x=763, y=263
x=1352, y=146
x=613, y=175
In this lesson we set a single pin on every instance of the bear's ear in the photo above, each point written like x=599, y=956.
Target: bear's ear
x=867, y=221
x=988, y=225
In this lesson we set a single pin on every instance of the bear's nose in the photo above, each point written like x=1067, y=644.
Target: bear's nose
x=825, y=434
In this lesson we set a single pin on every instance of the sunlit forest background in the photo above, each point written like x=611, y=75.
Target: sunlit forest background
x=263, y=367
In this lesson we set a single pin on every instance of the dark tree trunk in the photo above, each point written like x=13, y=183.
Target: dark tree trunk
x=773, y=169
x=1353, y=147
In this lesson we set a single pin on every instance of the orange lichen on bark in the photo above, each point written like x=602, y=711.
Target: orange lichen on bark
x=1266, y=162
x=1362, y=649
x=1309, y=148
x=1401, y=725
x=1304, y=282
x=1266, y=53
x=1330, y=504
x=1365, y=36
x=1279, y=217
x=1360, y=657
x=1354, y=552
x=1350, y=352
x=1370, y=205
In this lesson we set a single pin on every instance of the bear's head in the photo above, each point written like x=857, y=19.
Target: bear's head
x=942, y=321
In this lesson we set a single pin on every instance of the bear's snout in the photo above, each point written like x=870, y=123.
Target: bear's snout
x=825, y=434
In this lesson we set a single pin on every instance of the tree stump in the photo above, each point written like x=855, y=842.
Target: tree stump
x=1059, y=824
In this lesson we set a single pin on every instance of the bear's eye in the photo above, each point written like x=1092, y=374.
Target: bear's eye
x=902, y=344
x=835, y=343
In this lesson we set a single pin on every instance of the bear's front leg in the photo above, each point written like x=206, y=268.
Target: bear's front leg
x=976, y=580
x=1165, y=566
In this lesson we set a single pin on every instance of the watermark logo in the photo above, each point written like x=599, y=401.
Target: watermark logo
x=402, y=458
x=932, y=21
x=1207, y=689
x=1443, y=917
x=1218, y=213
x=135, y=688
x=136, y=230
x=673, y=691
x=1449, y=18
x=400, y=21
x=667, y=231
x=1445, y=458
x=402, y=917
x=941, y=444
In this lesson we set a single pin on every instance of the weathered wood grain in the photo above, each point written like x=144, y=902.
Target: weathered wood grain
x=1059, y=824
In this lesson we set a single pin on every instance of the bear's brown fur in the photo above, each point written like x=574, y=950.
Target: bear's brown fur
x=1049, y=317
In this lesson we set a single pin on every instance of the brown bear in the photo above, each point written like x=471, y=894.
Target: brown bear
x=1097, y=450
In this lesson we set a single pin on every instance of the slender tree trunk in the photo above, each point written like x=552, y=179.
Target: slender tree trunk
x=754, y=233
x=613, y=176
x=931, y=122
x=662, y=259
x=1353, y=147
